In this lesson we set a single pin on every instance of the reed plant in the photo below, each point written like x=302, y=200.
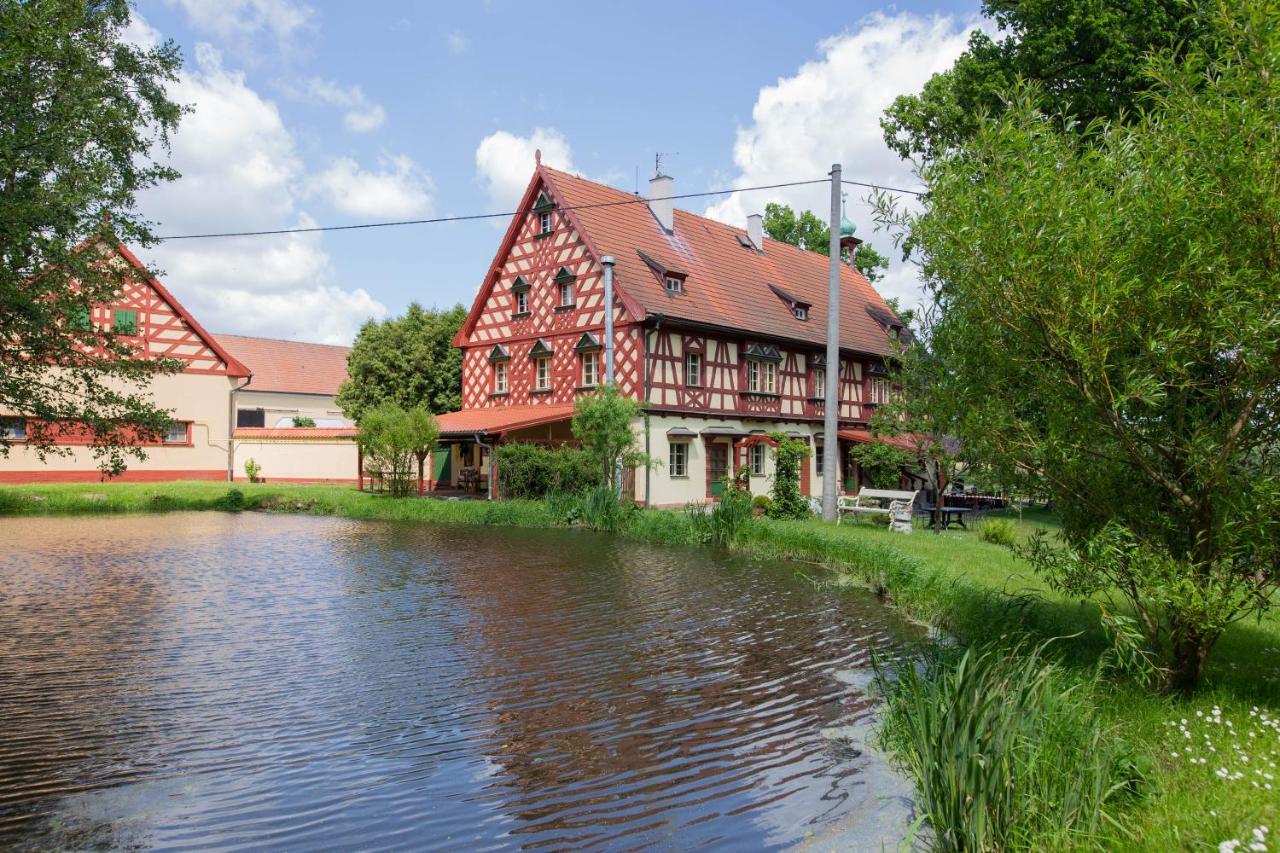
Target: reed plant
x=1007, y=750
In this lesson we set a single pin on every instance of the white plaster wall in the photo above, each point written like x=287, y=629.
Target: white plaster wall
x=277, y=405
x=291, y=459
x=201, y=399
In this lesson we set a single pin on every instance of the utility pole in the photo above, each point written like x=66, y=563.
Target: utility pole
x=831, y=405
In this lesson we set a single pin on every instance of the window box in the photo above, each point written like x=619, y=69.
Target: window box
x=568, y=307
x=520, y=315
x=499, y=394
x=542, y=235
x=534, y=392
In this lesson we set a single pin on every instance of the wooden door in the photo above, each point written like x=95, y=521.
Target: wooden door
x=717, y=467
x=441, y=466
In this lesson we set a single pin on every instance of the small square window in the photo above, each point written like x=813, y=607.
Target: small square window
x=522, y=302
x=674, y=285
x=500, y=377
x=13, y=429
x=693, y=369
x=802, y=313
x=678, y=465
x=542, y=374
x=125, y=322
x=566, y=294
x=758, y=455
x=176, y=433
x=544, y=223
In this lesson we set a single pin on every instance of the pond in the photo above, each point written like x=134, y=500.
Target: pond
x=218, y=681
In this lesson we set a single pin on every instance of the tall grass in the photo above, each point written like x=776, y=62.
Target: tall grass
x=1006, y=750
x=726, y=522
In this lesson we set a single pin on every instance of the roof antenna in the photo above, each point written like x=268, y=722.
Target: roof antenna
x=657, y=161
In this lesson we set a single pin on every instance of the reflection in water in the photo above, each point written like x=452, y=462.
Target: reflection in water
x=223, y=681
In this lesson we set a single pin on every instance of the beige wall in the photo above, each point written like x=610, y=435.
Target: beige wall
x=678, y=491
x=198, y=398
x=294, y=459
x=278, y=404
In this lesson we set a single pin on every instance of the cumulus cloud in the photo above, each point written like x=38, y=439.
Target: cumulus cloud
x=400, y=188
x=361, y=116
x=240, y=171
x=230, y=19
x=504, y=163
x=829, y=112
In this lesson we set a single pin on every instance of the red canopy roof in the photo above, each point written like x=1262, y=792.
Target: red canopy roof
x=299, y=433
x=863, y=436
x=499, y=420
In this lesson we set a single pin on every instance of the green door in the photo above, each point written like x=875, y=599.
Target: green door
x=441, y=465
x=850, y=473
x=717, y=467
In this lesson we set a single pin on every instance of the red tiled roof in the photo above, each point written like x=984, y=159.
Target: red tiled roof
x=863, y=436
x=295, y=432
x=499, y=420
x=727, y=285
x=289, y=366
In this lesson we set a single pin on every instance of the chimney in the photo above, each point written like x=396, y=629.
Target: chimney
x=755, y=231
x=660, y=201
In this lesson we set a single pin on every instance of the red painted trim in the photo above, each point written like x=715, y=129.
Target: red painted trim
x=95, y=476
x=234, y=367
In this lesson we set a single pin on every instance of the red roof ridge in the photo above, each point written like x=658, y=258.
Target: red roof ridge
x=279, y=340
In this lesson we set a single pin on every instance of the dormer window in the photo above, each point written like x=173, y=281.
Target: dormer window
x=672, y=279
x=543, y=209
x=799, y=308
x=675, y=286
x=801, y=312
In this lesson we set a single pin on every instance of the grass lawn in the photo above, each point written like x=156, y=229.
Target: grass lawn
x=1195, y=796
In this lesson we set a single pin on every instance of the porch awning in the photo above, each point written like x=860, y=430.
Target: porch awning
x=863, y=436
x=499, y=420
x=681, y=432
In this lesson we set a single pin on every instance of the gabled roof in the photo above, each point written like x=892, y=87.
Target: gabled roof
x=234, y=366
x=290, y=367
x=727, y=285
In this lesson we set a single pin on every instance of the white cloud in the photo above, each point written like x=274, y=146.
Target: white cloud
x=362, y=115
x=230, y=19
x=457, y=42
x=241, y=172
x=399, y=189
x=829, y=112
x=504, y=163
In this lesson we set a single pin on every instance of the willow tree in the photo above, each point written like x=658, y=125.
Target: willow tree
x=83, y=113
x=1109, y=318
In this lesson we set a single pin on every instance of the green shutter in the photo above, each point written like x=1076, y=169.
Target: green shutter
x=125, y=322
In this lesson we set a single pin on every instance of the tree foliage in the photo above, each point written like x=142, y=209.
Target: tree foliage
x=1109, y=318
x=602, y=421
x=408, y=360
x=880, y=463
x=82, y=115
x=395, y=442
x=807, y=231
x=786, y=499
x=1086, y=57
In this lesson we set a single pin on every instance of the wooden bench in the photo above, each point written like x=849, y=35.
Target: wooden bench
x=891, y=502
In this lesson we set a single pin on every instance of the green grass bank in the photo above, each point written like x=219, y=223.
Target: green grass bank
x=1207, y=764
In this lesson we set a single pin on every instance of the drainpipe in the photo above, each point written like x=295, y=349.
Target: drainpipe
x=493, y=463
x=231, y=429
x=648, y=386
x=608, y=261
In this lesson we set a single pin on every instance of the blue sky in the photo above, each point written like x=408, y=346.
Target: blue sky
x=335, y=113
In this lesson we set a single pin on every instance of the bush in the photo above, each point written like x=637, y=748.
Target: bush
x=252, y=469
x=762, y=502
x=232, y=501
x=787, y=501
x=396, y=443
x=303, y=422
x=1004, y=748
x=534, y=471
x=999, y=531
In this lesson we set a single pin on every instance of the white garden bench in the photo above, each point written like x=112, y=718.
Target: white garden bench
x=895, y=503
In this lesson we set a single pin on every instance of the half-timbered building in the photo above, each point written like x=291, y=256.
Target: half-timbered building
x=720, y=333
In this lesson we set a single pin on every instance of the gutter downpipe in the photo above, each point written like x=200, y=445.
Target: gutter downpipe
x=493, y=463
x=648, y=386
x=608, y=261
x=231, y=429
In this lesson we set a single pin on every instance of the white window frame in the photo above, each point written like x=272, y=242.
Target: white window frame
x=758, y=455
x=753, y=376
x=762, y=376
x=544, y=222
x=818, y=458
x=542, y=373
x=170, y=436
x=500, y=377
x=771, y=378
x=880, y=390
x=674, y=285
x=801, y=313
x=678, y=463
x=566, y=294
x=693, y=369
x=590, y=369
x=819, y=382
x=522, y=302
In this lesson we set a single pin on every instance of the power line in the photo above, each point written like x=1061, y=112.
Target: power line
x=884, y=188
x=478, y=216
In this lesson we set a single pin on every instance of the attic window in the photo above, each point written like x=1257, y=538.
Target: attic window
x=544, y=222
x=799, y=308
x=675, y=286
x=745, y=242
x=543, y=208
x=801, y=312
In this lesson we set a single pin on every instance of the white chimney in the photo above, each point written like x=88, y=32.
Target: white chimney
x=660, y=203
x=755, y=231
